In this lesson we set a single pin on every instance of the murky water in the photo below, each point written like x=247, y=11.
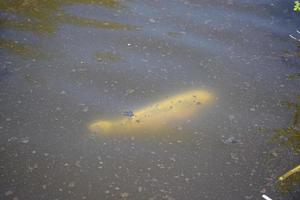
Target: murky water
x=130, y=66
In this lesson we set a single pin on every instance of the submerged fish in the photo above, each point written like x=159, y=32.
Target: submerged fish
x=156, y=117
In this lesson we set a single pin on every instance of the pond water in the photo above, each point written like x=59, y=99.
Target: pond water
x=98, y=99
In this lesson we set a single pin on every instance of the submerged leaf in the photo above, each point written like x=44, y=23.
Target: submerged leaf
x=293, y=76
x=23, y=50
x=107, y=56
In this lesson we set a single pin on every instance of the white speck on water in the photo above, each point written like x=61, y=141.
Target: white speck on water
x=129, y=91
x=229, y=2
x=35, y=166
x=231, y=117
x=86, y=109
x=9, y=192
x=77, y=164
x=179, y=128
x=263, y=190
x=234, y=156
x=152, y=20
x=71, y=184
x=124, y=195
x=173, y=159
x=12, y=139
x=140, y=189
x=266, y=197
x=24, y=140
x=154, y=180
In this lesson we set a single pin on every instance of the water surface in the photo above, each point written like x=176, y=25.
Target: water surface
x=66, y=64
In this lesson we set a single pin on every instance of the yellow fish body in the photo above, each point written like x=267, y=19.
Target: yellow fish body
x=156, y=117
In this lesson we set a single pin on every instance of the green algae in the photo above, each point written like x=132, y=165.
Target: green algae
x=294, y=76
x=290, y=135
x=23, y=50
x=107, y=56
x=46, y=16
x=43, y=17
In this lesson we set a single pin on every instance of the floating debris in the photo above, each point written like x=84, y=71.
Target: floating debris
x=8, y=193
x=12, y=139
x=266, y=197
x=140, y=189
x=289, y=173
x=152, y=20
x=24, y=140
x=231, y=140
x=234, y=156
x=71, y=184
x=295, y=38
x=129, y=91
x=128, y=113
x=124, y=195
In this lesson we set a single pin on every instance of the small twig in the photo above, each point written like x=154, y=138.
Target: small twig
x=294, y=38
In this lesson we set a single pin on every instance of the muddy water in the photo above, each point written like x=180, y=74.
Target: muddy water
x=68, y=64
